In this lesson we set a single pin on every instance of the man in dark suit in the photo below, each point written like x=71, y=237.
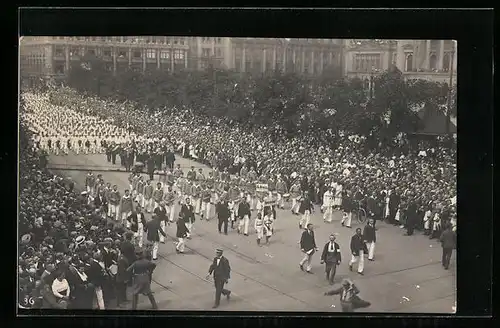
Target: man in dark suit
x=101, y=202
x=97, y=277
x=221, y=274
x=331, y=257
x=141, y=271
x=150, y=165
x=153, y=229
x=370, y=238
x=411, y=217
x=358, y=249
x=394, y=200
x=127, y=248
x=122, y=278
x=223, y=215
x=187, y=214
x=308, y=247
x=448, y=241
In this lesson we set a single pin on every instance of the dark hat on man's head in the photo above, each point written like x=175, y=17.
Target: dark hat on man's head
x=219, y=250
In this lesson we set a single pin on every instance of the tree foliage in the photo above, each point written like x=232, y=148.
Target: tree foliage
x=297, y=103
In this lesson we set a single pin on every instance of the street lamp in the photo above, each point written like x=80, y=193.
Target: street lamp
x=450, y=86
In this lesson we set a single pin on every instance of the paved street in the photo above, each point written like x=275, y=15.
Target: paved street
x=406, y=276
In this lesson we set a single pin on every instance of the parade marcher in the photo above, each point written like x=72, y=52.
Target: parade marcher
x=244, y=216
x=259, y=227
x=150, y=166
x=126, y=208
x=306, y=208
x=221, y=274
x=101, y=203
x=332, y=257
x=153, y=229
x=138, y=222
x=308, y=247
x=127, y=249
x=295, y=196
x=141, y=271
x=223, y=215
x=448, y=243
x=139, y=190
x=281, y=190
x=205, y=202
x=169, y=200
x=358, y=249
x=114, y=203
x=187, y=213
x=181, y=235
x=349, y=299
x=196, y=192
x=161, y=214
x=347, y=209
x=148, y=197
x=268, y=224
x=328, y=205
x=370, y=238
x=157, y=195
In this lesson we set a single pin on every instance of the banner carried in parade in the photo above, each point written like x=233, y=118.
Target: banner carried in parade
x=262, y=188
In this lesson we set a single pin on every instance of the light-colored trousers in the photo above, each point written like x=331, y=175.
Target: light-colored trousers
x=155, y=249
x=295, y=205
x=100, y=298
x=91, y=190
x=197, y=205
x=114, y=210
x=205, y=209
x=361, y=258
x=280, y=201
x=190, y=227
x=162, y=226
x=171, y=211
x=147, y=204
x=307, y=259
x=305, y=219
x=180, y=245
x=260, y=232
x=125, y=215
x=371, y=249
x=139, y=235
x=346, y=219
x=328, y=214
x=244, y=224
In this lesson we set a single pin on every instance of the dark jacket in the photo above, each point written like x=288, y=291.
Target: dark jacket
x=331, y=257
x=448, y=239
x=221, y=271
x=394, y=200
x=96, y=274
x=222, y=211
x=187, y=213
x=128, y=250
x=357, y=244
x=369, y=234
x=161, y=213
x=182, y=230
x=244, y=209
x=305, y=204
x=153, y=230
x=134, y=221
x=98, y=201
x=307, y=241
x=122, y=275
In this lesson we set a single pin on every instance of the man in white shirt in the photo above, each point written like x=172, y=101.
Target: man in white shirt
x=61, y=289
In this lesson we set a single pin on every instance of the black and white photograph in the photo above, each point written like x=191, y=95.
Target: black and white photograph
x=209, y=173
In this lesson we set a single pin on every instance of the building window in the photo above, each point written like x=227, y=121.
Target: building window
x=151, y=53
x=122, y=54
x=175, y=41
x=59, y=68
x=446, y=62
x=164, y=54
x=179, y=54
x=433, y=62
x=106, y=52
x=366, y=62
x=91, y=52
x=74, y=51
x=205, y=52
x=219, y=52
x=137, y=54
x=181, y=42
x=59, y=51
x=409, y=63
x=93, y=38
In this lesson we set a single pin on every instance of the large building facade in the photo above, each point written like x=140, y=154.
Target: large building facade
x=52, y=56
x=416, y=59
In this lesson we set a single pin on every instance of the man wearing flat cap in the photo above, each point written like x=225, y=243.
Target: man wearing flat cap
x=221, y=274
x=349, y=299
